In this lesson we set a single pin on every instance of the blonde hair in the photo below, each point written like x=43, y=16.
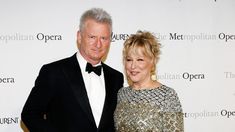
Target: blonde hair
x=148, y=43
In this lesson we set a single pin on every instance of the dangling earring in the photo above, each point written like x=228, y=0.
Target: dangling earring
x=154, y=77
x=153, y=74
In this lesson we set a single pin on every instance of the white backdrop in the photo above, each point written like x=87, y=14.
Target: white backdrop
x=197, y=60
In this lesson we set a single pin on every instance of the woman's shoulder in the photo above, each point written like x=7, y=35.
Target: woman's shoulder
x=123, y=89
x=171, y=99
x=167, y=90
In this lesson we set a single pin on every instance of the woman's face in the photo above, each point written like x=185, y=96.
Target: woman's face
x=138, y=67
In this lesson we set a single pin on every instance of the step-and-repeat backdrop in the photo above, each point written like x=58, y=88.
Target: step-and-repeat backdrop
x=197, y=60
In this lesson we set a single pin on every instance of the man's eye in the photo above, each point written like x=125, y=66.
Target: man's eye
x=92, y=37
x=104, y=38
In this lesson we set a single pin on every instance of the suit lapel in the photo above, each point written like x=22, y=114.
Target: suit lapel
x=73, y=73
x=107, y=109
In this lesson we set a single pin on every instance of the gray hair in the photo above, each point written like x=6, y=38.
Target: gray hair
x=97, y=14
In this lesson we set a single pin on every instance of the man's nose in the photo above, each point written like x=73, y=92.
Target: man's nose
x=98, y=43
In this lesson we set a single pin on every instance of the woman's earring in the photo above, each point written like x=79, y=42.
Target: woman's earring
x=154, y=77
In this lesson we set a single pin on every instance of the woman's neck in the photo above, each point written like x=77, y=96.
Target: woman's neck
x=149, y=85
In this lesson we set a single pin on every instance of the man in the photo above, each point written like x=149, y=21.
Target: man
x=68, y=96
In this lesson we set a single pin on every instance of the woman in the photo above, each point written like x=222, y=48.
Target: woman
x=146, y=105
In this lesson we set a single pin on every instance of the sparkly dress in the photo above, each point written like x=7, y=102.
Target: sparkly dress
x=148, y=110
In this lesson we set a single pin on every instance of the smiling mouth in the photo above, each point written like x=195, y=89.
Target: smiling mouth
x=133, y=73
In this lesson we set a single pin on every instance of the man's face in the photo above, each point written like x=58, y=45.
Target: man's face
x=94, y=41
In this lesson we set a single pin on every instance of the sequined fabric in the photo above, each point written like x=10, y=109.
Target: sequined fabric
x=148, y=110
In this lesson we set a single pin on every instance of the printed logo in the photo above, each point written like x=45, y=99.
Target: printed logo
x=226, y=37
x=191, y=37
x=9, y=120
x=187, y=76
x=229, y=75
x=191, y=76
x=15, y=37
x=46, y=37
x=203, y=114
x=26, y=37
x=118, y=37
x=7, y=80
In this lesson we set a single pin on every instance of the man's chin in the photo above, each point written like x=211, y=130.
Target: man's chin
x=97, y=59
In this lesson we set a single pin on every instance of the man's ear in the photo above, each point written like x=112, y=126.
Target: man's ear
x=78, y=38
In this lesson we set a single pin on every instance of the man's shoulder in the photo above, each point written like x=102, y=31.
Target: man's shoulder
x=110, y=69
x=60, y=63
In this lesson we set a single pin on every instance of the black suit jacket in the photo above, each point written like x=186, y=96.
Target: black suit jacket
x=59, y=103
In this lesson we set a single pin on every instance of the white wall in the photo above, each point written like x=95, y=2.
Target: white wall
x=193, y=36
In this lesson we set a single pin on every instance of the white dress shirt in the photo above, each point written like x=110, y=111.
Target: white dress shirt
x=95, y=88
